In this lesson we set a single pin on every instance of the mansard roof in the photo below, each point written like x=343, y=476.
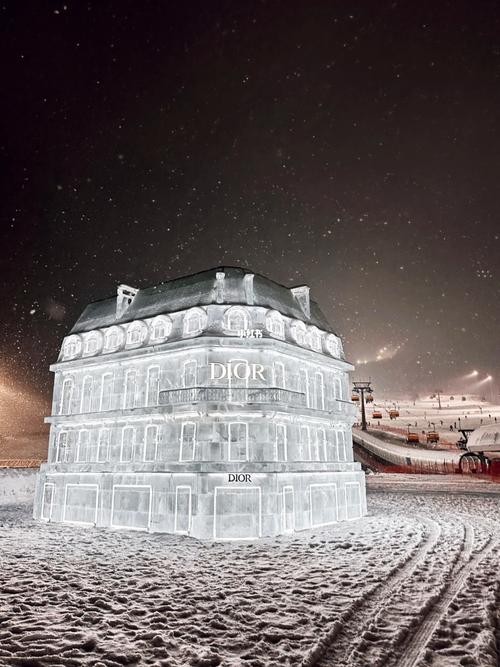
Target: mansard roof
x=200, y=289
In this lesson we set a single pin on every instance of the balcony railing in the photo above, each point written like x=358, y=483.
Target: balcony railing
x=232, y=395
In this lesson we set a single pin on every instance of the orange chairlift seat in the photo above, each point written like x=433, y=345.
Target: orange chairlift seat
x=432, y=436
x=377, y=414
x=355, y=398
x=369, y=398
x=412, y=437
x=393, y=414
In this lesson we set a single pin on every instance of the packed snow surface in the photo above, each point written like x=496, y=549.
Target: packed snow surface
x=414, y=583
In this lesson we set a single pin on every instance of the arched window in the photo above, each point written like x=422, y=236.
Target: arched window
x=337, y=384
x=92, y=343
x=332, y=345
x=321, y=444
x=335, y=446
x=280, y=449
x=151, y=442
x=342, y=441
x=72, y=347
x=304, y=386
x=279, y=374
x=103, y=445
x=113, y=339
x=87, y=394
x=315, y=339
x=62, y=451
x=236, y=319
x=319, y=391
x=153, y=386
x=238, y=441
x=299, y=332
x=275, y=324
x=136, y=334
x=128, y=443
x=187, y=441
x=83, y=447
x=129, y=390
x=161, y=328
x=106, y=397
x=189, y=373
x=304, y=443
x=194, y=321
x=66, y=403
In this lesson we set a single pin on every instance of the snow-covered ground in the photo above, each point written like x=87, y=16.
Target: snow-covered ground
x=424, y=414
x=414, y=583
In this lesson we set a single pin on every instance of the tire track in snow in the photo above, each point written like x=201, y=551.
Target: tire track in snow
x=349, y=627
x=412, y=652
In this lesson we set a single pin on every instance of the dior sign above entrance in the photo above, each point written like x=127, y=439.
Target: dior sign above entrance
x=240, y=370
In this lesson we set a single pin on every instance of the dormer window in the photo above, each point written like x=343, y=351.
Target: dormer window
x=332, y=345
x=113, y=339
x=299, y=332
x=92, y=343
x=236, y=319
x=315, y=339
x=161, y=328
x=136, y=334
x=194, y=321
x=72, y=347
x=275, y=324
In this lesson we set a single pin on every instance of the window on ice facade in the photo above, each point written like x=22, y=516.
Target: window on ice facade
x=136, y=334
x=161, y=328
x=83, y=452
x=66, y=402
x=304, y=443
x=62, y=451
x=238, y=441
x=275, y=324
x=194, y=321
x=72, y=347
x=113, y=339
x=187, y=441
x=152, y=385
x=337, y=384
x=304, y=386
x=189, y=373
x=130, y=389
x=281, y=443
x=91, y=344
x=87, y=394
x=299, y=332
x=106, y=396
x=128, y=443
x=166, y=465
x=103, y=445
x=319, y=391
x=151, y=443
x=236, y=319
x=279, y=374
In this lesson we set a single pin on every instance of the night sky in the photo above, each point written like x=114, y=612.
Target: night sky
x=354, y=147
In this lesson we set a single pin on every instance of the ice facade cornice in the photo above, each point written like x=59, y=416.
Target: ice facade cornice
x=234, y=321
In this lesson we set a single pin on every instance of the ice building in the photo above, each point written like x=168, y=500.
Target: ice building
x=215, y=405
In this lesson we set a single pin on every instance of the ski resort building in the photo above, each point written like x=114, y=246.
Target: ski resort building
x=215, y=405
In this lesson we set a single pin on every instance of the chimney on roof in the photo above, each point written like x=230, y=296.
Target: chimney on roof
x=248, y=285
x=124, y=297
x=301, y=295
x=219, y=286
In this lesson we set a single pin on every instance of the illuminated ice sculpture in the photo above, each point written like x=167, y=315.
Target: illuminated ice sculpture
x=215, y=405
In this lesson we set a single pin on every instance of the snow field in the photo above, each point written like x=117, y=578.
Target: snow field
x=415, y=583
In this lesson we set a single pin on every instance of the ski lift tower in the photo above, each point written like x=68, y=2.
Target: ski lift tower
x=362, y=387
